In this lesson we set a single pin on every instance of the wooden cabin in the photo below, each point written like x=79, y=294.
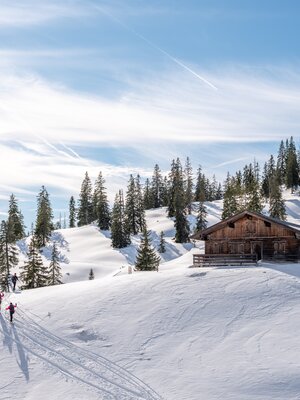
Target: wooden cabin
x=253, y=233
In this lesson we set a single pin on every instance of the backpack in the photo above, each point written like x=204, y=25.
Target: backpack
x=12, y=308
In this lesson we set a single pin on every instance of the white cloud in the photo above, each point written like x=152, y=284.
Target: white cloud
x=160, y=118
x=175, y=108
x=30, y=12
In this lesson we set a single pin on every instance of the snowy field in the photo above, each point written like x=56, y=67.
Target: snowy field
x=178, y=334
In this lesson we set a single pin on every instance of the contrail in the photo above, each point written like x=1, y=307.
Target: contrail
x=153, y=45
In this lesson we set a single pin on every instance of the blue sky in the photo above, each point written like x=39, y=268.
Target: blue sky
x=117, y=86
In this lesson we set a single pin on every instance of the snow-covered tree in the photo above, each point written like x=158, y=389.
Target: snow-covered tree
x=147, y=195
x=156, y=187
x=72, y=212
x=85, y=213
x=15, y=221
x=162, y=243
x=277, y=205
x=91, y=274
x=231, y=193
x=101, y=206
x=140, y=208
x=44, y=225
x=8, y=254
x=201, y=222
x=134, y=207
x=34, y=274
x=54, y=271
x=147, y=259
x=119, y=234
x=188, y=185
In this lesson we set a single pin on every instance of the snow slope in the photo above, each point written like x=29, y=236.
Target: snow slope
x=178, y=334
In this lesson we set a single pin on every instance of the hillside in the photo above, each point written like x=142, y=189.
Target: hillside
x=180, y=333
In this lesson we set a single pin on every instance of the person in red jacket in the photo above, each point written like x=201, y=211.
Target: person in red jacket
x=11, y=309
x=1, y=297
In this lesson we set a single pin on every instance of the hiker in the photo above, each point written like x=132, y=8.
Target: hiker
x=14, y=280
x=1, y=297
x=11, y=309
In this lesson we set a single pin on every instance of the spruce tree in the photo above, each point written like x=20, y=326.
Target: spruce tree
x=130, y=207
x=148, y=203
x=15, y=221
x=119, y=234
x=201, y=222
x=230, y=204
x=292, y=167
x=281, y=163
x=34, y=274
x=72, y=212
x=140, y=208
x=101, y=207
x=43, y=225
x=277, y=205
x=8, y=254
x=85, y=213
x=147, y=259
x=188, y=185
x=181, y=222
x=162, y=243
x=165, y=192
x=173, y=176
x=54, y=272
x=91, y=274
x=200, y=188
x=156, y=187
x=3, y=272
x=134, y=208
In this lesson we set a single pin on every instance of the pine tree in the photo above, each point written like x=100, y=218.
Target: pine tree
x=91, y=274
x=162, y=243
x=72, y=212
x=148, y=203
x=44, y=225
x=34, y=274
x=231, y=191
x=8, y=254
x=281, y=163
x=147, y=259
x=54, y=272
x=140, y=208
x=292, y=167
x=130, y=207
x=3, y=272
x=134, y=208
x=181, y=223
x=156, y=187
x=101, y=207
x=165, y=192
x=201, y=217
x=177, y=202
x=15, y=221
x=200, y=188
x=119, y=234
x=188, y=183
x=172, y=188
x=85, y=207
x=277, y=205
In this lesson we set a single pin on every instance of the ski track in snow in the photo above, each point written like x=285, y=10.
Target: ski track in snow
x=86, y=368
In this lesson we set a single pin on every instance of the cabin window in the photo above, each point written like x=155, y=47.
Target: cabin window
x=231, y=224
x=236, y=248
x=267, y=224
x=216, y=248
x=279, y=247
